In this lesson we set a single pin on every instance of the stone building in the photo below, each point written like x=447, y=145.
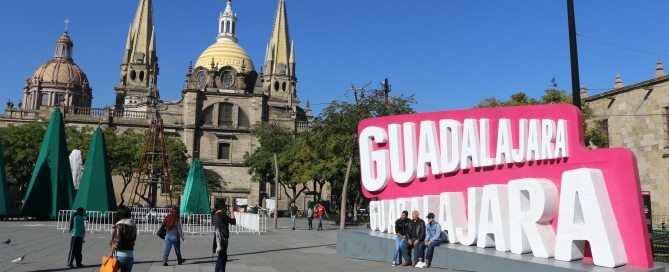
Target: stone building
x=636, y=116
x=223, y=97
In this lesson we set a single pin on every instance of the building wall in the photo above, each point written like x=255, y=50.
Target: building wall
x=637, y=119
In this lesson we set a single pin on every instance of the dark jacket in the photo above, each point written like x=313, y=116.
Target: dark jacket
x=417, y=230
x=124, y=235
x=401, y=226
x=221, y=221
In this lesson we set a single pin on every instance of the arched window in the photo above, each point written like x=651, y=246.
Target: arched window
x=44, y=99
x=208, y=116
x=233, y=27
x=227, y=27
x=242, y=119
x=225, y=114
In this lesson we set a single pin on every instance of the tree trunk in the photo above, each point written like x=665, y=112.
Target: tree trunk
x=126, y=182
x=355, y=208
x=344, y=191
x=276, y=191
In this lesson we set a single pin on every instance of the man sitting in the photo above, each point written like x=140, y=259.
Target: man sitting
x=433, y=237
x=416, y=240
x=401, y=226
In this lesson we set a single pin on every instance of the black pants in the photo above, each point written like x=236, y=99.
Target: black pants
x=222, y=257
x=76, y=245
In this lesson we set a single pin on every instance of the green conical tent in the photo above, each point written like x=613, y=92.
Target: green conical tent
x=50, y=187
x=96, y=191
x=4, y=194
x=196, y=198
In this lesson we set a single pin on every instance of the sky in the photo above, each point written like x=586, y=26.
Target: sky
x=450, y=54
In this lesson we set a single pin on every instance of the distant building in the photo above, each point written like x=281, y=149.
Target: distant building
x=223, y=96
x=637, y=117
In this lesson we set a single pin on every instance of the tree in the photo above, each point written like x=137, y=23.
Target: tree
x=339, y=124
x=124, y=152
x=594, y=135
x=273, y=139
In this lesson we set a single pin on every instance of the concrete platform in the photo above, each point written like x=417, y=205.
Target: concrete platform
x=377, y=246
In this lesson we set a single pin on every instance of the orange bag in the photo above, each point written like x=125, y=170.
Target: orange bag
x=109, y=263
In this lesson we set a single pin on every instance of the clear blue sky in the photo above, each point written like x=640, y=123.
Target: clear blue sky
x=450, y=54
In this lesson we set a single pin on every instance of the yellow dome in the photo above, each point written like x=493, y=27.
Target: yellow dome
x=225, y=53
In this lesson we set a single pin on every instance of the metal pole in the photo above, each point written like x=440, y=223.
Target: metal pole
x=575, y=81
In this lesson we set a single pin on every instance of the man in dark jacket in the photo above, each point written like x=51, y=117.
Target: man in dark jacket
x=415, y=240
x=401, y=226
x=221, y=221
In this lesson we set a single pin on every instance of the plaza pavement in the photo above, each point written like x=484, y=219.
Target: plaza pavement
x=46, y=249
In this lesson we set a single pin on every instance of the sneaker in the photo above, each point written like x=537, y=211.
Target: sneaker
x=407, y=263
x=80, y=265
x=427, y=263
x=70, y=266
x=420, y=265
x=164, y=263
x=181, y=261
x=394, y=263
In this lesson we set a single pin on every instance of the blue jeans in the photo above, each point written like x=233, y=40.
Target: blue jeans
x=399, y=244
x=292, y=220
x=169, y=241
x=320, y=222
x=430, y=249
x=125, y=263
x=418, y=251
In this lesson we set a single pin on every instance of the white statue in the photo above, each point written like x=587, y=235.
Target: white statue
x=76, y=164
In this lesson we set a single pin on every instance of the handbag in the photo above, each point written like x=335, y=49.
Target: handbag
x=162, y=231
x=109, y=263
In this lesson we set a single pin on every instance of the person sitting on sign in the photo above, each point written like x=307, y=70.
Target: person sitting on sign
x=433, y=237
x=416, y=240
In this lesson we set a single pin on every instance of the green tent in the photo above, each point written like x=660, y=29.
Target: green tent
x=50, y=187
x=196, y=198
x=4, y=194
x=96, y=191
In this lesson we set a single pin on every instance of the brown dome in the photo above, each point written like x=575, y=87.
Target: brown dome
x=62, y=72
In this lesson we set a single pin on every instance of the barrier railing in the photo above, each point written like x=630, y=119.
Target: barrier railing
x=148, y=220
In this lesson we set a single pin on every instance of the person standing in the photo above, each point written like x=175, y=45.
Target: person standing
x=123, y=238
x=401, y=226
x=416, y=240
x=174, y=236
x=433, y=237
x=310, y=215
x=221, y=222
x=293, y=214
x=321, y=212
x=77, y=227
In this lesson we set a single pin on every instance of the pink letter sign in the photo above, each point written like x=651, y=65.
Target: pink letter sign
x=515, y=179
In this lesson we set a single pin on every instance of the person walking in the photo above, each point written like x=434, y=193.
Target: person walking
x=415, y=240
x=77, y=227
x=321, y=211
x=221, y=222
x=123, y=239
x=293, y=214
x=174, y=236
x=401, y=226
x=433, y=237
x=310, y=219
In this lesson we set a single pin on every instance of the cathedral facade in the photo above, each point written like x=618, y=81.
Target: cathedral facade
x=224, y=96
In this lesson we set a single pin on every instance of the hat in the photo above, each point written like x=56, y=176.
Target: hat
x=430, y=215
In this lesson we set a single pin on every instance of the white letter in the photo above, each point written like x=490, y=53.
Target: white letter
x=403, y=204
x=504, y=142
x=484, y=134
x=452, y=214
x=417, y=205
x=368, y=136
x=402, y=152
x=392, y=215
x=467, y=236
x=533, y=141
x=374, y=215
x=428, y=149
x=494, y=218
x=450, y=140
x=383, y=215
x=586, y=215
x=561, y=143
x=519, y=154
x=547, y=138
x=532, y=206
x=470, y=145
x=431, y=205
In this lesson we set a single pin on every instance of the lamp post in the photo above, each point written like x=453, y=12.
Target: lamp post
x=575, y=81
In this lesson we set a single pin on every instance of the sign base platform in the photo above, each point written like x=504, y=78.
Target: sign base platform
x=377, y=246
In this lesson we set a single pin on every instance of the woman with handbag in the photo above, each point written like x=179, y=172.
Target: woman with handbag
x=174, y=236
x=123, y=238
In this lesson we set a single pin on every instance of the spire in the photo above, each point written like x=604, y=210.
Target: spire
x=291, y=61
x=280, y=41
x=227, y=24
x=584, y=91
x=141, y=34
x=659, y=69
x=619, y=81
x=128, y=40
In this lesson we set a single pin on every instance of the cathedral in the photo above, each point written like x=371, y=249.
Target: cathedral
x=224, y=95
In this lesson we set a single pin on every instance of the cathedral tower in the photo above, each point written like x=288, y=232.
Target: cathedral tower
x=137, y=89
x=278, y=76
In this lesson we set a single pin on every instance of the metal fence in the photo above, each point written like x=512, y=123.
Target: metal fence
x=148, y=220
